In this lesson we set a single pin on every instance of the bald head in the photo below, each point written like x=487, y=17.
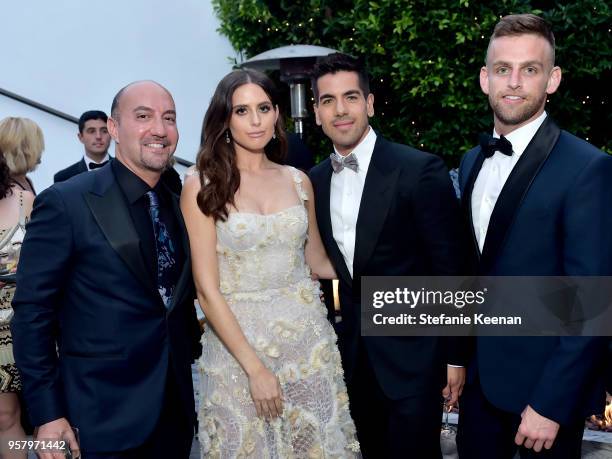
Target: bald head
x=126, y=88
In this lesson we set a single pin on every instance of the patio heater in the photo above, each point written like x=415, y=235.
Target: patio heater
x=295, y=63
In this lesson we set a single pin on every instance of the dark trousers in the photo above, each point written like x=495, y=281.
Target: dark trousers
x=171, y=438
x=403, y=429
x=487, y=432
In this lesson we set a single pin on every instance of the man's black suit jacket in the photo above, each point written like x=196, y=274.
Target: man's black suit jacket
x=82, y=285
x=408, y=225
x=70, y=171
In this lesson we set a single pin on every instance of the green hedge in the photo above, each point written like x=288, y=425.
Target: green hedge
x=424, y=58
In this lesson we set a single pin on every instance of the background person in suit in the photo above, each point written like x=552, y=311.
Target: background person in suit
x=537, y=202
x=105, y=276
x=384, y=209
x=93, y=134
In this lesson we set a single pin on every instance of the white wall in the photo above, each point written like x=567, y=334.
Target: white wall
x=74, y=55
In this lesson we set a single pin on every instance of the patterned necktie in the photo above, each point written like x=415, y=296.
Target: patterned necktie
x=166, y=262
x=93, y=166
x=340, y=162
x=490, y=145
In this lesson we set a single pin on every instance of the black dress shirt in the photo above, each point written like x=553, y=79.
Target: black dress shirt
x=134, y=190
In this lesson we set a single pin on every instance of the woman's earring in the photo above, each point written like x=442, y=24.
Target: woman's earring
x=274, y=134
x=227, y=138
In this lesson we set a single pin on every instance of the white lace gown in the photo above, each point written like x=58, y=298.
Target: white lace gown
x=266, y=282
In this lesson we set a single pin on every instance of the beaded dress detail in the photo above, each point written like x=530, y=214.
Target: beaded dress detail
x=10, y=245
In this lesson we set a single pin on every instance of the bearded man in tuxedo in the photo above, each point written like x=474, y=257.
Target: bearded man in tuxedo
x=536, y=201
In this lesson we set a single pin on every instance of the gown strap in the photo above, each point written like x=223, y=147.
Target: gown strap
x=297, y=181
x=23, y=219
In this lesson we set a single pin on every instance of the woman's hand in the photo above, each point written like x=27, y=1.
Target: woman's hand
x=266, y=393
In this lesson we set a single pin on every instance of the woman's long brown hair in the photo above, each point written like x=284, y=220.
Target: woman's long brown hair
x=216, y=159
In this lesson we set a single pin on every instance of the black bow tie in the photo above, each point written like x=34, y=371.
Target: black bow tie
x=490, y=145
x=93, y=166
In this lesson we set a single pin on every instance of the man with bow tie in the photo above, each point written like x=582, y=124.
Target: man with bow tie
x=536, y=201
x=384, y=209
x=93, y=134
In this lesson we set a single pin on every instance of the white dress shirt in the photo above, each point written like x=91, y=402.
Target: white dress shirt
x=493, y=175
x=345, y=196
x=88, y=160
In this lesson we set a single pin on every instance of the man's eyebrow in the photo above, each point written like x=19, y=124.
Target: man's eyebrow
x=521, y=64
x=170, y=112
x=532, y=63
x=325, y=96
x=142, y=108
x=350, y=92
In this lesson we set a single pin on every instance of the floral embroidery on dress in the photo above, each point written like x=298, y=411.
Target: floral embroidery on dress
x=266, y=282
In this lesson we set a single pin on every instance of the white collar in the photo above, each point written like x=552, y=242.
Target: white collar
x=521, y=137
x=88, y=160
x=364, y=149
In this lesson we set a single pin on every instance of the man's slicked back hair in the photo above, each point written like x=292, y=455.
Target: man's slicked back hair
x=338, y=62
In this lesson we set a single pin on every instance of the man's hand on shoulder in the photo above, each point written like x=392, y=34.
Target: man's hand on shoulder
x=58, y=429
x=536, y=431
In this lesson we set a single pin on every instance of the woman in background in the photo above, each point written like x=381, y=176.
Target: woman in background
x=21, y=145
x=271, y=381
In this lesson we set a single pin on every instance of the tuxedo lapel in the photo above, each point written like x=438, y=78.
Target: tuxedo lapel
x=109, y=209
x=82, y=166
x=325, y=225
x=466, y=200
x=185, y=275
x=515, y=189
x=375, y=201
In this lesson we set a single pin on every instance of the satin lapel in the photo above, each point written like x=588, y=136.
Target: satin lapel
x=325, y=225
x=111, y=213
x=83, y=166
x=466, y=200
x=515, y=189
x=374, y=206
x=185, y=277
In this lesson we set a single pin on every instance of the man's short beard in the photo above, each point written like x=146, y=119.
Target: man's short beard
x=520, y=116
x=154, y=167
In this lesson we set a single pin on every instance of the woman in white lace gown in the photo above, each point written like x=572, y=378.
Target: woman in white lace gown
x=271, y=379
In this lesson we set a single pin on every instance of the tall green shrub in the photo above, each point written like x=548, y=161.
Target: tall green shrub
x=424, y=58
